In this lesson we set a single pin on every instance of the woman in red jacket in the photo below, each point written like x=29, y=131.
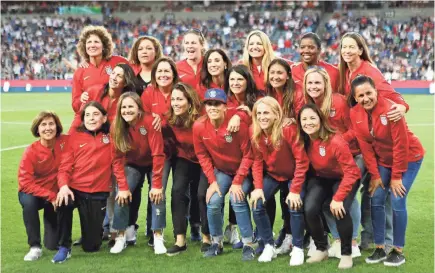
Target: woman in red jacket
x=37, y=183
x=95, y=46
x=187, y=174
x=335, y=175
x=310, y=48
x=143, y=54
x=141, y=146
x=279, y=162
x=214, y=70
x=194, y=45
x=84, y=181
x=393, y=156
x=225, y=158
x=257, y=55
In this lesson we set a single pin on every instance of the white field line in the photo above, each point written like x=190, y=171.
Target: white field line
x=14, y=148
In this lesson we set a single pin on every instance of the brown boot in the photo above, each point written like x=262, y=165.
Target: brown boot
x=345, y=262
x=318, y=256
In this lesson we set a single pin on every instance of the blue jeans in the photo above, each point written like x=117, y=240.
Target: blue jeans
x=135, y=176
x=215, y=213
x=270, y=187
x=159, y=210
x=400, y=214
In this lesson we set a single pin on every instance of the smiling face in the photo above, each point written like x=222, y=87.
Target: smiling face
x=47, y=129
x=265, y=117
x=164, y=74
x=116, y=78
x=255, y=47
x=309, y=51
x=215, y=64
x=237, y=83
x=93, y=119
x=94, y=46
x=146, y=52
x=366, y=95
x=315, y=86
x=215, y=110
x=129, y=110
x=277, y=76
x=350, y=51
x=192, y=46
x=179, y=102
x=310, y=122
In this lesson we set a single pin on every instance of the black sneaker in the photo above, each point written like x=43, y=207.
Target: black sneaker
x=378, y=256
x=111, y=243
x=175, y=250
x=205, y=247
x=151, y=241
x=395, y=258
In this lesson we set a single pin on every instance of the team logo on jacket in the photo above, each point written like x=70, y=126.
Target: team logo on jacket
x=142, y=130
x=228, y=138
x=332, y=113
x=384, y=120
x=61, y=145
x=322, y=150
x=105, y=139
x=108, y=70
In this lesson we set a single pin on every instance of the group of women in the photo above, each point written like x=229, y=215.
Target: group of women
x=310, y=130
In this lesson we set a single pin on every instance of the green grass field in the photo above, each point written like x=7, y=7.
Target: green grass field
x=19, y=109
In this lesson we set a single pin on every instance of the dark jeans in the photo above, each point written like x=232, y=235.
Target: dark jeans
x=92, y=209
x=186, y=176
x=31, y=205
x=285, y=215
x=319, y=191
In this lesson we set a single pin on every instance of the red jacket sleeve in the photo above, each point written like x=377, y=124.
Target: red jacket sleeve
x=257, y=167
x=26, y=178
x=302, y=164
x=155, y=140
x=350, y=170
x=202, y=153
x=66, y=165
x=385, y=89
x=146, y=101
x=247, y=160
x=400, y=148
x=77, y=91
x=118, y=163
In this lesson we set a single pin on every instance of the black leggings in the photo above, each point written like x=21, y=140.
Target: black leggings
x=319, y=191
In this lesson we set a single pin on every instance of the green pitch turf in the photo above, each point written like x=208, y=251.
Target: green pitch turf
x=19, y=109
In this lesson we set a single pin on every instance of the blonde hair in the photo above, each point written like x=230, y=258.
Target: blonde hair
x=327, y=95
x=268, y=56
x=277, y=134
x=342, y=67
x=201, y=39
x=132, y=56
x=103, y=34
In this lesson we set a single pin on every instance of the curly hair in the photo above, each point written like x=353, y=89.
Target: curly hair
x=103, y=34
x=133, y=57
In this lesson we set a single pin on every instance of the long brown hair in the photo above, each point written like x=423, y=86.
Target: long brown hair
x=277, y=135
x=194, y=107
x=325, y=130
x=104, y=128
x=327, y=95
x=120, y=129
x=288, y=89
x=131, y=82
x=206, y=78
x=342, y=67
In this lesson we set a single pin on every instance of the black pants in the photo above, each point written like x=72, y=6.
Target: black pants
x=92, y=209
x=319, y=191
x=186, y=175
x=285, y=215
x=31, y=205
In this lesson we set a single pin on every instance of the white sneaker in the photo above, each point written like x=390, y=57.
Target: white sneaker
x=130, y=234
x=231, y=235
x=356, y=252
x=335, y=249
x=227, y=234
x=120, y=244
x=286, y=245
x=268, y=254
x=34, y=254
x=159, y=246
x=312, y=248
x=297, y=256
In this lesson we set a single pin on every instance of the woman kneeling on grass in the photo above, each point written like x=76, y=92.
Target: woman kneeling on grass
x=393, y=156
x=84, y=181
x=37, y=182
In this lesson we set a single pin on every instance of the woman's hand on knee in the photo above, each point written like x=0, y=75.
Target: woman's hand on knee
x=397, y=188
x=294, y=201
x=374, y=184
x=237, y=192
x=337, y=209
x=214, y=187
x=156, y=195
x=255, y=196
x=63, y=195
x=123, y=197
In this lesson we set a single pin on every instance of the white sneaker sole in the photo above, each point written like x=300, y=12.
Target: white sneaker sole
x=394, y=264
x=375, y=261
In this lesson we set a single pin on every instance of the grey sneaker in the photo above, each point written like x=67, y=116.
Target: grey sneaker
x=213, y=251
x=395, y=258
x=248, y=253
x=378, y=256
